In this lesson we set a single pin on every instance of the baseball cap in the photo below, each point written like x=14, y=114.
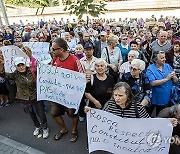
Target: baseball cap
x=88, y=45
x=19, y=60
x=103, y=33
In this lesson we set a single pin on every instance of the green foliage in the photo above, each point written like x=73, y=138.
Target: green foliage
x=31, y=3
x=81, y=7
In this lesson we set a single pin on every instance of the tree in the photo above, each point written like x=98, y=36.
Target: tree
x=32, y=3
x=81, y=7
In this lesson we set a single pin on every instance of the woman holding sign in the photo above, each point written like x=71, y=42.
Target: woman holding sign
x=100, y=86
x=25, y=80
x=123, y=104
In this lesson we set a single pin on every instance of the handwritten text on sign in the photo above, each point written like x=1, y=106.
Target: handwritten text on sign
x=39, y=50
x=60, y=85
x=10, y=52
x=127, y=136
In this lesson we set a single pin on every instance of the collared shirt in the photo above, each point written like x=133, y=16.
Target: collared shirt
x=72, y=45
x=115, y=56
x=103, y=45
x=161, y=93
x=88, y=66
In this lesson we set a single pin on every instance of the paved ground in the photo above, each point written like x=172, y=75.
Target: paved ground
x=16, y=125
x=9, y=146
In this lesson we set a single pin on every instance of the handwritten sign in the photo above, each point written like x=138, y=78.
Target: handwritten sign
x=60, y=85
x=108, y=132
x=39, y=50
x=10, y=52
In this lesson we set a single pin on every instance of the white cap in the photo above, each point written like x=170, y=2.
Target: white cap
x=103, y=33
x=19, y=60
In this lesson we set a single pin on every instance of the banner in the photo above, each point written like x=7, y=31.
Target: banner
x=39, y=51
x=10, y=52
x=60, y=85
x=111, y=133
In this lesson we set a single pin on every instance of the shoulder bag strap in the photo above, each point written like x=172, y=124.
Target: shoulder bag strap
x=108, y=55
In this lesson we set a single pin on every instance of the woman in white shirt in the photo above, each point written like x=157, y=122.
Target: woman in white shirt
x=112, y=55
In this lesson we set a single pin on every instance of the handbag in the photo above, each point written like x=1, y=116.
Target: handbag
x=111, y=71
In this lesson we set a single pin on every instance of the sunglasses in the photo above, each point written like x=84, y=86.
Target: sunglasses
x=133, y=69
x=55, y=49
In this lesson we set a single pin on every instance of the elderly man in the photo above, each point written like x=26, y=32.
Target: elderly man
x=161, y=44
x=86, y=39
x=71, y=43
x=100, y=44
x=124, y=47
x=88, y=63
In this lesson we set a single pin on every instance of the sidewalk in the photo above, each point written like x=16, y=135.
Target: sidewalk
x=9, y=146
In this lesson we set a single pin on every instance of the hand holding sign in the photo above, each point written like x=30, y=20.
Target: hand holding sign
x=11, y=52
x=60, y=85
x=108, y=132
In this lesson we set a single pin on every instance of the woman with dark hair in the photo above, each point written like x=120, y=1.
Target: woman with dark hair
x=123, y=104
x=173, y=58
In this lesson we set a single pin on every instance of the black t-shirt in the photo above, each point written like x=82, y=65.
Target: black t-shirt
x=100, y=90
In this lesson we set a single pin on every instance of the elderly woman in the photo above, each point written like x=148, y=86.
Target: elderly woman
x=125, y=67
x=161, y=77
x=26, y=94
x=99, y=88
x=138, y=81
x=79, y=51
x=112, y=55
x=123, y=104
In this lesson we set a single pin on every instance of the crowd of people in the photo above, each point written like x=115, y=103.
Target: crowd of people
x=131, y=67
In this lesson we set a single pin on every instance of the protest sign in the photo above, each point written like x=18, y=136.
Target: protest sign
x=39, y=50
x=10, y=52
x=60, y=85
x=111, y=133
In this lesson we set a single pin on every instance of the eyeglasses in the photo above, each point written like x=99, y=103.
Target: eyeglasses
x=133, y=69
x=55, y=49
x=124, y=39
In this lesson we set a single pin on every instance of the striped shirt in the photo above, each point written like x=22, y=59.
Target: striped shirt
x=128, y=112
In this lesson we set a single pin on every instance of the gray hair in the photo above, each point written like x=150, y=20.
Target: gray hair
x=122, y=36
x=112, y=38
x=101, y=60
x=135, y=53
x=140, y=63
